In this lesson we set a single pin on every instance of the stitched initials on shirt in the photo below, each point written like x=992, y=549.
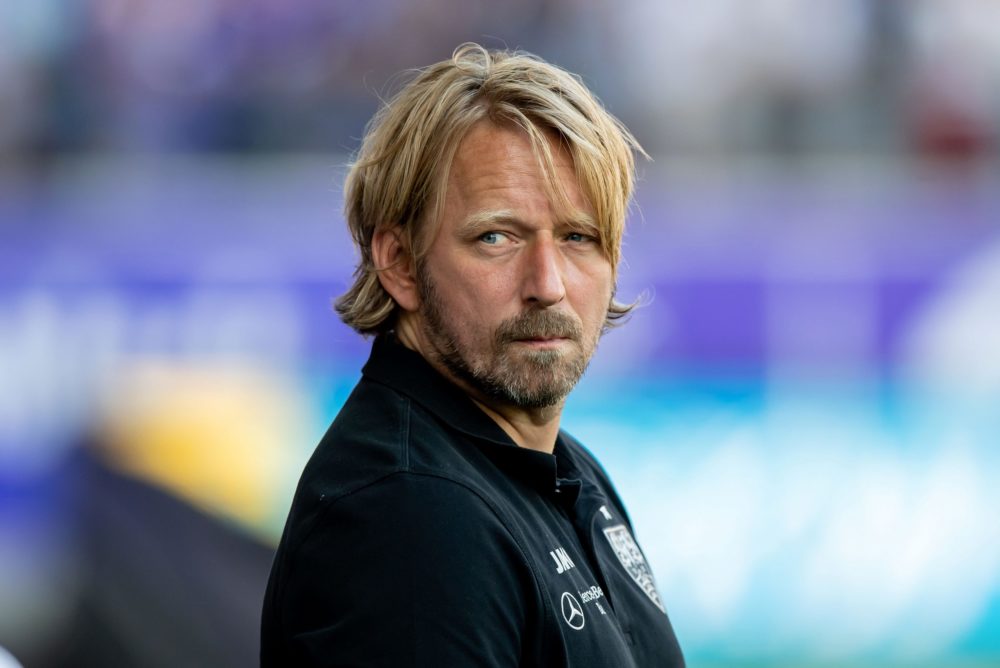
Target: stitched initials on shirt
x=563, y=562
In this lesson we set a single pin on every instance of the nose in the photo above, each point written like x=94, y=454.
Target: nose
x=543, y=283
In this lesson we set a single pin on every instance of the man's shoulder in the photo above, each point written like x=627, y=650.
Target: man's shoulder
x=407, y=552
x=380, y=433
x=431, y=522
x=425, y=498
x=366, y=439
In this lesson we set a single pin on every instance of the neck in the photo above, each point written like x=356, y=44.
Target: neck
x=532, y=428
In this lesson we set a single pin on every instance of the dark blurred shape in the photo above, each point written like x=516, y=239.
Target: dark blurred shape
x=160, y=583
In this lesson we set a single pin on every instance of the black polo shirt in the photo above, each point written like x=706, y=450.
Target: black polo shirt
x=421, y=535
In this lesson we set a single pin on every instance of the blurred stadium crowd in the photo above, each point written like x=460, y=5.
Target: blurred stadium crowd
x=789, y=76
x=804, y=412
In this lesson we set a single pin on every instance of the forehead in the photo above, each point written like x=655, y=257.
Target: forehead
x=500, y=162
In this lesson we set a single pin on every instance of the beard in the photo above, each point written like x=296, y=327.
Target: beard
x=503, y=369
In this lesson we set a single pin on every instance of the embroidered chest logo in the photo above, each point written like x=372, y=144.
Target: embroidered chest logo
x=632, y=560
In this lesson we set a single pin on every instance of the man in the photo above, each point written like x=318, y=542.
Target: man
x=445, y=520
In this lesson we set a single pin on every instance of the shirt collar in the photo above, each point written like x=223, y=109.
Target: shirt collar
x=406, y=371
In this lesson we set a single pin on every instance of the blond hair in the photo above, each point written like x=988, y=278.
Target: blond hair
x=398, y=177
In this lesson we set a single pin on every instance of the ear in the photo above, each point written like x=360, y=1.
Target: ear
x=396, y=268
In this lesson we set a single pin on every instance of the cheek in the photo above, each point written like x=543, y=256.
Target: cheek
x=482, y=291
x=595, y=287
x=474, y=300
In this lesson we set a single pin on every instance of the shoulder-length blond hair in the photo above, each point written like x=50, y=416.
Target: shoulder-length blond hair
x=398, y=177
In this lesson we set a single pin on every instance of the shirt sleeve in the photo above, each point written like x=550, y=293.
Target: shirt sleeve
x=413, y=570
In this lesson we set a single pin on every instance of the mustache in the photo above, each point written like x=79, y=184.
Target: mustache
x=538, y=324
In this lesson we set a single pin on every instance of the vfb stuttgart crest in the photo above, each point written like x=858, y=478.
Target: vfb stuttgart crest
x=635, y=564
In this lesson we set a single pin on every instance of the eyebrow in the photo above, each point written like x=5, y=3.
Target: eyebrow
x=484, y=220
x=487, y=219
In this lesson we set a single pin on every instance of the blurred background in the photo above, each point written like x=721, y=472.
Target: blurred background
x=803, y=418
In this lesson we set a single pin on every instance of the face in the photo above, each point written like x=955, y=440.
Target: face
x=515, y=288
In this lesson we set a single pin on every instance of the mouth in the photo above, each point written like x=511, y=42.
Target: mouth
x=542, y=342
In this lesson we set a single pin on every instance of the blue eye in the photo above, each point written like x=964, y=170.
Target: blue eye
x=491, y=238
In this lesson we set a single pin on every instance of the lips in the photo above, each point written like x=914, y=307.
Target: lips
x=547, y=340
x=546, y=343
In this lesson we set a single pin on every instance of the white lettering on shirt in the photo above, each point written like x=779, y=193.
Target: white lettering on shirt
x=591, y=594
x=563, y=562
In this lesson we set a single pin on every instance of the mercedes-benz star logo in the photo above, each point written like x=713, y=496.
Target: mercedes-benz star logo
x=572, y=611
